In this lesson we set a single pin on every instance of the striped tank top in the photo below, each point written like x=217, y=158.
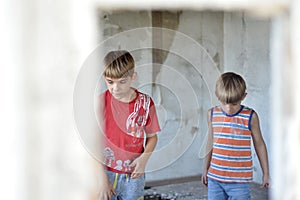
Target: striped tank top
x=231, y=157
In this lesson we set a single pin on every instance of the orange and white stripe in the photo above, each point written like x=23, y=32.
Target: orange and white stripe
x=231, y=157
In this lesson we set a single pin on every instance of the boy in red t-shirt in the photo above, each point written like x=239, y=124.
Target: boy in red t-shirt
x=129, y=124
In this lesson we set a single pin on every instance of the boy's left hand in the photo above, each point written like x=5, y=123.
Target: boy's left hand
x=265, y=182
x=139, y=165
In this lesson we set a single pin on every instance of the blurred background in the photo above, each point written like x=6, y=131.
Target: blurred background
x=180, y=48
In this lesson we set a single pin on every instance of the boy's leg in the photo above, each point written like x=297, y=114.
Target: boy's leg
x=133, y=189
x=238, y=191
x=215, y=190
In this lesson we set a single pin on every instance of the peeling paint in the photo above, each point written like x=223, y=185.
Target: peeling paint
x=194, y=130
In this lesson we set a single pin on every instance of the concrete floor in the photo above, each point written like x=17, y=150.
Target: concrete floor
x=193, y=190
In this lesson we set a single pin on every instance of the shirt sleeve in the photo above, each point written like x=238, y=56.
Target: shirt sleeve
x=152, y=125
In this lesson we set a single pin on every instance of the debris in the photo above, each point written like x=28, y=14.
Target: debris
x=171, y=195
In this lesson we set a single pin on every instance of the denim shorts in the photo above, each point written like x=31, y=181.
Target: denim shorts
x=222, y=190
x=125, y=187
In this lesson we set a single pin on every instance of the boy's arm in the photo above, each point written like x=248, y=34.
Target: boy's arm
x=260, y=148
x=105, y=188
x=209, y=147
x=139, y=164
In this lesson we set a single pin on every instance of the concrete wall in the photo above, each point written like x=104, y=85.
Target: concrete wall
x=182, y=85
x=185, y=128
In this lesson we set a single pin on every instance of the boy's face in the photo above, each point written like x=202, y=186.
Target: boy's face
x=120, y=87
x=231, y=108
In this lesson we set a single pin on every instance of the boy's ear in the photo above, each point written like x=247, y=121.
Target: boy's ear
x=244, y=96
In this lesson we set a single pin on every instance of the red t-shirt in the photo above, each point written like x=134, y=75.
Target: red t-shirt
x=125, y=125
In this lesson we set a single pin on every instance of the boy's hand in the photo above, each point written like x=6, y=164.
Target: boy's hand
x=204, y=178
x=106, y=189
x=139, y=165
x=265, y=182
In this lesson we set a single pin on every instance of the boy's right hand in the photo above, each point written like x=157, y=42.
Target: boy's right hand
x=204, y=178
x=106, y=189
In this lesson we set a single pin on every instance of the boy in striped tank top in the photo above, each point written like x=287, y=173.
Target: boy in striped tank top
x=231, y=126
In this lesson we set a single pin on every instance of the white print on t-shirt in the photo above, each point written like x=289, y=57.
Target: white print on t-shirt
x=119, y=165
x=138, y=118
x=109, y=156
x=126, y=165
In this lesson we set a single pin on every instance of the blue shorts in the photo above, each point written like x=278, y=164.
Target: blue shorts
x=125, y=187
x=222, y=191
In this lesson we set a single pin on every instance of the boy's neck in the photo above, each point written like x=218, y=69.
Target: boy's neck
x=128, y=98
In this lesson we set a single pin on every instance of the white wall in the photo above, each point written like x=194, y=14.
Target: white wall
x=57, y=37
x=186, y=122
x=12, y=112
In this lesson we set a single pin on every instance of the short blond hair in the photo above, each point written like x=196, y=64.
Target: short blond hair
x=230, y=88
x=118, y=64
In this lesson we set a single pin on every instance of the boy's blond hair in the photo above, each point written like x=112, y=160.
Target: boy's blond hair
x=118, y=64
x=230, y=88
